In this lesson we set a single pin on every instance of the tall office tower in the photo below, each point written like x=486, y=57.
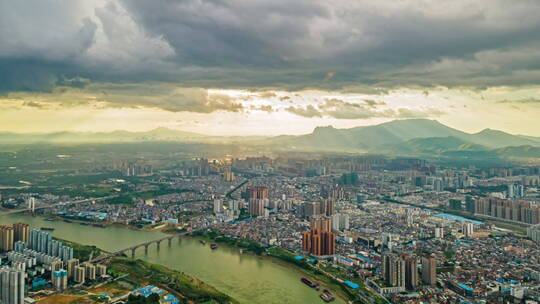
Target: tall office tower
x=101, y=270
x=411, y=273
x=60, y=279
x=79, y=274
x=11, y=286
x=393, y=270
x=71, y=264
x=468, y=228
x=90, y=271
x=319, y=241
x=429, y=270
x=256, y=207
x=21, y=232
x=6, y=238
x=218, y=206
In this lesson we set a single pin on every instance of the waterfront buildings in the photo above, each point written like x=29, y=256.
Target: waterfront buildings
x=12, y=288
x=41, y=241
x=6, y=238
x=79, y=274
x=21, y=232
x=319, y=240
x=71, y=264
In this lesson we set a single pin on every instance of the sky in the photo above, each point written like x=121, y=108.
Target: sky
x=268, y=67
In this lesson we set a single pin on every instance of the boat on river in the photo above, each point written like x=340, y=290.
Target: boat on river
x=327, y=296
x=310, y=284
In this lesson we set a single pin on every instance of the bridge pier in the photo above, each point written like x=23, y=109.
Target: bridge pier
x=133, y=253
x=146, y=248
x=158, y=243
x=169, y=241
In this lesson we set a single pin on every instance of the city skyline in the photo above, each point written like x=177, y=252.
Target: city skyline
x=126, y=65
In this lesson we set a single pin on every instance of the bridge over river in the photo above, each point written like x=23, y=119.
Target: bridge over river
x=144, y=245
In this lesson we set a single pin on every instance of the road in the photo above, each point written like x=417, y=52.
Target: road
x=58, y=204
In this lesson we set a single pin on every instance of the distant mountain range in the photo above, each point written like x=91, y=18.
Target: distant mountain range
x=412, y=137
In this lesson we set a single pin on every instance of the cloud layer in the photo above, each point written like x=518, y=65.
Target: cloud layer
x=347, y=46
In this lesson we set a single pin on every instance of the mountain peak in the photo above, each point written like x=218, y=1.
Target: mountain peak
x=491, y=131
x=323, y=129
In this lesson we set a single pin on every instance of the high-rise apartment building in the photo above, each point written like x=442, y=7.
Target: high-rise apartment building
x=326, y=207
x=60, y=279
x=6, y=238
x=468, y=228
x=12, y=286
x=41, y=241
x=256, y=207
x=90, y=270
x=21, y=232
x=533, y=232
x=517, y=211
x=101, y=270
x=320, y=240
x=257, y=192
x=393, y=270
x=79, y=274
x=218, y=206
x=411, y=273
x=429, y=270
x=71, y=264
x=258, y=200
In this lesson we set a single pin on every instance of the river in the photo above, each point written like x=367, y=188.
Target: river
x=245, y=277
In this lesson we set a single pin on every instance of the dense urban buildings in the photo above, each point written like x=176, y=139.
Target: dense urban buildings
x=406, y=229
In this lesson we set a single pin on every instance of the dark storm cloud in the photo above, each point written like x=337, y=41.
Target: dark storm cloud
x=291, y=45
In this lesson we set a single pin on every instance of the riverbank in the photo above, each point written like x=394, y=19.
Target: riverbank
x=247, y=278
x=179, y=282
x=139, y=273
x=286, y=259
